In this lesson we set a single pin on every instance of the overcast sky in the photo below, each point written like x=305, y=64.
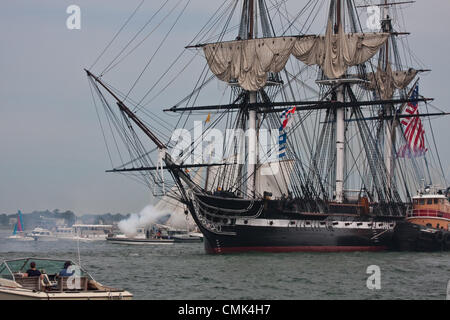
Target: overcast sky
x=52, y=153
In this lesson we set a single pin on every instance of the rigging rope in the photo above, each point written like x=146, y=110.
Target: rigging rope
x=159, y=47
x=110, y=66
x=117, y=34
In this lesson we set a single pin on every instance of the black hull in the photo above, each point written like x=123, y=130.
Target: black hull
x=259, y=227
x=414, y=237
x=272, y=239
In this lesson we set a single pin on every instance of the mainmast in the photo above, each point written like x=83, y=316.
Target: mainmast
x=340, y=126
x=252, y=118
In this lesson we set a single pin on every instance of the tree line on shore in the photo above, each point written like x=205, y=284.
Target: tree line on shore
x=57, y=217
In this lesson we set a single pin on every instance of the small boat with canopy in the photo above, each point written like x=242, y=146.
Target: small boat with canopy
x=15, y=284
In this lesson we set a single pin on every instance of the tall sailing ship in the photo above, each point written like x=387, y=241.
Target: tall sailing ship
x=333, y=172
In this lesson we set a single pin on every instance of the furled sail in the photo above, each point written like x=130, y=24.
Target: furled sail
x=386, y=81
x=248, y=61
x=335, y=53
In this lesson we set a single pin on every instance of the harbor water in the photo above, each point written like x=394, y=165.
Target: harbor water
x=185, y=271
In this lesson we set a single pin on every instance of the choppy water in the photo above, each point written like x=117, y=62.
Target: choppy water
x=184, y=271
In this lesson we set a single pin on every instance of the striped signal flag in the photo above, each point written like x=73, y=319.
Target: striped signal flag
x=284, y=117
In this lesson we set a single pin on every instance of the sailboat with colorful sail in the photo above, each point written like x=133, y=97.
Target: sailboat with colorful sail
x=19, y=230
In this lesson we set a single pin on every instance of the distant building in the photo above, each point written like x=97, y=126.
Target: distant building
x=60, y=222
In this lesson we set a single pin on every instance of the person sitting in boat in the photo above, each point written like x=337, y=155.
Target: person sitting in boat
x=33, y=272
x=64, y=272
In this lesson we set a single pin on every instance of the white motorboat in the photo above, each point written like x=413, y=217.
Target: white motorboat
x=164, y=235
x=16, y=285
x=41, y=234
x=142, y=236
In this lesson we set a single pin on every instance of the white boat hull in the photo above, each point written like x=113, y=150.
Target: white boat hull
x=44, y=238
x=140, y=241
x=24, y=294
x=21, y=238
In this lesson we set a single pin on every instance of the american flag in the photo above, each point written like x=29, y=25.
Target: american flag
x=284, y=117
x=414, y=130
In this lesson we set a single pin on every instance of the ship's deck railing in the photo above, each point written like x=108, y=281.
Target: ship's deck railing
x=428, y=213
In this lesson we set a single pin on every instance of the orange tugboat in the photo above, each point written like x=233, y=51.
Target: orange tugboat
x=427, y=225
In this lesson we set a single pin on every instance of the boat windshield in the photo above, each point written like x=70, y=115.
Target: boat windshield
x=48, y=266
